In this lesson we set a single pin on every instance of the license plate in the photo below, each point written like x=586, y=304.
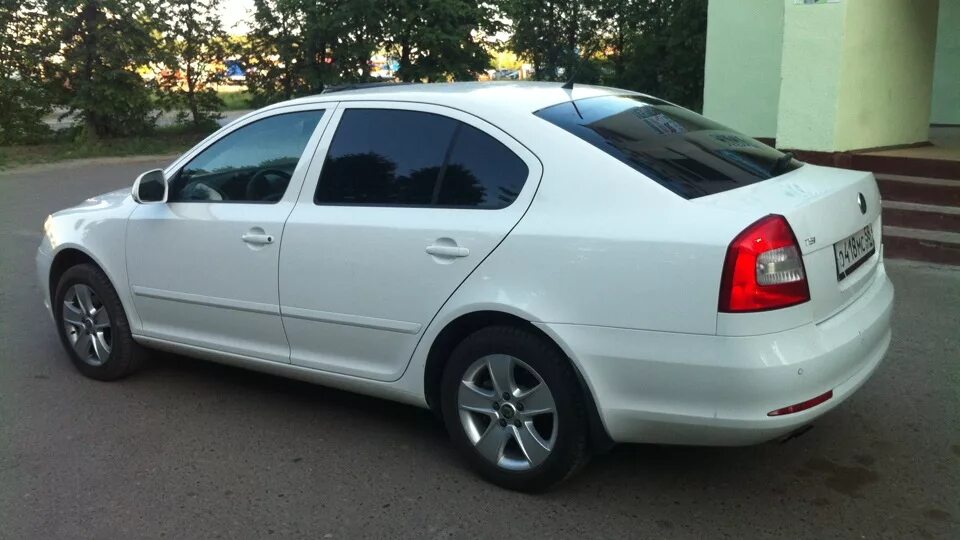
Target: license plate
x=853, y=251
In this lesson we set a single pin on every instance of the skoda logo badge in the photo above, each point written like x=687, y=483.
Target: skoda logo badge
x=862, y=201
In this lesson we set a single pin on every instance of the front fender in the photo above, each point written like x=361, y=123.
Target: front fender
x=96, y=229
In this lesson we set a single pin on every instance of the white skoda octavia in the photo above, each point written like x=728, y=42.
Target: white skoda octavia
x=550, y=269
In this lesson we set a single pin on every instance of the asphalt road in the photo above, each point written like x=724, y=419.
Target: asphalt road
x=188, y=449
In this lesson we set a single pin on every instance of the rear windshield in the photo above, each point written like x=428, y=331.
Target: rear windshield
x=679, y=149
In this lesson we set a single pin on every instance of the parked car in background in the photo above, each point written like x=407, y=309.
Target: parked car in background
x=550, y=269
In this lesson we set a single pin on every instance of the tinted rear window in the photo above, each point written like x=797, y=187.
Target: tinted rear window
x=679, y=149
x=390, y=157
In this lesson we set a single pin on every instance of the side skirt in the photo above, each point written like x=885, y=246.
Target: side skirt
x=324, y=378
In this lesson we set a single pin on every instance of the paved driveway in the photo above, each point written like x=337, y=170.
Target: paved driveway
x=189, y=449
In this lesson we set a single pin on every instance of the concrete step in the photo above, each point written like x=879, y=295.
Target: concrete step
x=913, y=189
x=921, y=216
x=921, y=245
x=927, y=167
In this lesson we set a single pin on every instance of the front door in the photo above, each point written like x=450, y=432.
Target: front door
x=401, y=205
x=203, y=266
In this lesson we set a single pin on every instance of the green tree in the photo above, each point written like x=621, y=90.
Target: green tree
x=273, y=51
x=299, y=47
x=193, y=45
x=439, y=40
x=661, y=50
x=559, y=37
x=23, y=45
x=103, y=42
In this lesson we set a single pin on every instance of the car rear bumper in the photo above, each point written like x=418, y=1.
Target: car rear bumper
x=660, y=387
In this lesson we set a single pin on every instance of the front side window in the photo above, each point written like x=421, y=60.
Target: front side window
x=253, y=164
x=679, y=149
x=409, y=158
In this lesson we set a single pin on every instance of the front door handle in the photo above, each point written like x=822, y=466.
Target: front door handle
x=258, y=239
x=448, y=251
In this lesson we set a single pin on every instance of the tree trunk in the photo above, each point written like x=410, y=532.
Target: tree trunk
x=91, y=10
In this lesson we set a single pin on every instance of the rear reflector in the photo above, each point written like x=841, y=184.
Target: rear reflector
x=803, y=405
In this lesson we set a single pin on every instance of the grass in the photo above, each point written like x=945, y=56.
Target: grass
x=162, y=141
x=235, y=98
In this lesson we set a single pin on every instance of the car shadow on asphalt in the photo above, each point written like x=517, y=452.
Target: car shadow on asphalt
x=623, y=464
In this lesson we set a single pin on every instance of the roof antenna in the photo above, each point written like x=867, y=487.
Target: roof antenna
x=569, y=86
x=573, y=73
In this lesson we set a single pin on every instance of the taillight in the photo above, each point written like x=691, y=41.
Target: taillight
x=763, y=269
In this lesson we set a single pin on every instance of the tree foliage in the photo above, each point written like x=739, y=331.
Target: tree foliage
x=299, y=47
x=557, y=36
x=439, y=40
x=102, y=43
x=653, y=46
x=23, y=100
x=192, y=47
x=82, y=57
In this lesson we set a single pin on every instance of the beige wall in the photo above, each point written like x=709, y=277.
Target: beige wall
x=856, y=74
x=946, y=70
x=887, y=73
x=741, y=86
x=810, y=82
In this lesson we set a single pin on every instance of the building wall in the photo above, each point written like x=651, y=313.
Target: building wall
x=810, y=83
x=887, y=73
x=946, y=71
x=742, y=70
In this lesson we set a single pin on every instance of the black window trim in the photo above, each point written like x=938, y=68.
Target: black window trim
x=382, y=105
x=323, y=110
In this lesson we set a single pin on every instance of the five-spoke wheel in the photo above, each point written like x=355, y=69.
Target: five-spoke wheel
x=87, y=324
x=514, y=407
x=93, y=325
x=507, y=412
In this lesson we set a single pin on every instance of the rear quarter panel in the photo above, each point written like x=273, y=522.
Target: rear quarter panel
x=603, y=245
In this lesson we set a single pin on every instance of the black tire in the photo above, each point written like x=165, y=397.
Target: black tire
x=570, y=448
x=125, y=355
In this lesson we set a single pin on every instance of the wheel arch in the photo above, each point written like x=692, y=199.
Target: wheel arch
x=67, y=258
x=70, y=255
x=459, y=328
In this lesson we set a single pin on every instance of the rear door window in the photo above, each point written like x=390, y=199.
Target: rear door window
x=390, y=157
x=677, y=148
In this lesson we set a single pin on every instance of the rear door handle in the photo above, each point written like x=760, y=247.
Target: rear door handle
x=448, y=251
x=257, y=239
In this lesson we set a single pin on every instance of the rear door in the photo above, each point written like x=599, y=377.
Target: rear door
x=400, y=205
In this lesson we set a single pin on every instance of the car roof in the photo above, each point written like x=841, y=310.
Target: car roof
x=472, y=97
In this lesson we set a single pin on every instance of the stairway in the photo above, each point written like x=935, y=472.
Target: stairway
x=921, y=218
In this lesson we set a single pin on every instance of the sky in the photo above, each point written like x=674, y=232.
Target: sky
x=233, y=12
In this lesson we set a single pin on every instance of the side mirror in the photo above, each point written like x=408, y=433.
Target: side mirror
x=150, y=187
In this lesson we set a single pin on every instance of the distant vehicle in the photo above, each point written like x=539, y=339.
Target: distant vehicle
x=506, y=74
x=235, y=73
x=550, y=270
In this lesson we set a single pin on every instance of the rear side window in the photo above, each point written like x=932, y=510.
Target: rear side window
x=679, y=149
x=408, y=158
x=481, y=172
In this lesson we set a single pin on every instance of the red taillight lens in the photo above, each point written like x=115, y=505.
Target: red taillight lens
x=764, y=269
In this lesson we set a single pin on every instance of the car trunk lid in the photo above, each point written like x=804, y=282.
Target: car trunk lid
x=823, y=206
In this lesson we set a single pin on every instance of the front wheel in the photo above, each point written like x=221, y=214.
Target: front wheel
x=93, y=326
x=514, y=408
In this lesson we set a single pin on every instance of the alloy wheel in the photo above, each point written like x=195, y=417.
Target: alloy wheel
x=507, y=412
x=86, y=324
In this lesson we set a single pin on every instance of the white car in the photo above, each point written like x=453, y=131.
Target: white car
x=550, y=269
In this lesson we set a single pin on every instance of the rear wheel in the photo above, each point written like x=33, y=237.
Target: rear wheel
x=514, y=408
x=93, y=326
